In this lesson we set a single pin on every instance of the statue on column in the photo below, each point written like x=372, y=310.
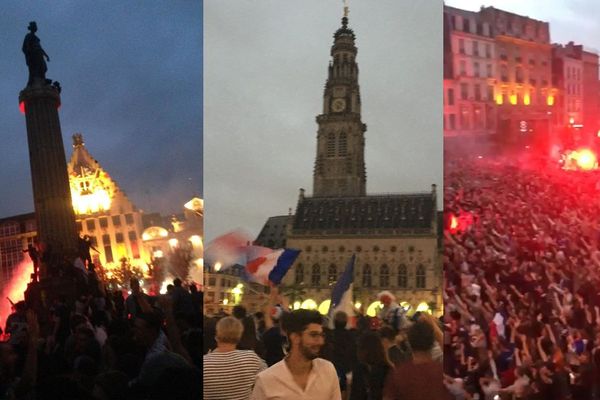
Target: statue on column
x=34, y=57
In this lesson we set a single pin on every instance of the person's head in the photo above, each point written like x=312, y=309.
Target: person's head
x=170, y=288
x=340, y=320
x=32, y=27
x=304, y=331
x=229, y=330
x=134, y=284
x=421, y=336
x=370, y=349
x=239, y=312
x=386, y=298
x=146, y=328
x=177, y=282
x=388, y=336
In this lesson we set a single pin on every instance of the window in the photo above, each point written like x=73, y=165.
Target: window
x=478, y=114
x=299, y=278
x=477, y=92
x=420, y=278
x=116, y=220
x=490, y=93
x=315, y=278
x=402, y=276
x=519, y=75
x=489, y=70
x=464, y=91
x=79, y=226
x=450, y=97
x=331, y=144
x=119, y=237
x=212, y=281
x=366, y=277
x=488, y=51
x=475, y=48
x=504, y=73
x=107, y=247
x=103, y=222
x=331, y=274
x=452, y=121
x=476, y=69
x=464, y=118
x=463, y=67
x=461, y=46
x=90, y=224
x=129, y=219
x=343, y=144
x=384, y=276
x=135, y=250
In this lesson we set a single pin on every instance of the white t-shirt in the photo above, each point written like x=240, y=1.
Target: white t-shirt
x=277, y=382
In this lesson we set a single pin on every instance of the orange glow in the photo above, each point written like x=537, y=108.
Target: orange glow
x=14, y=289
x=526, y=100
x=550, y=100
x=499, y=99
x=22, y=107
x=513, y=99
x=583, y=159
x=88, y=203
x=571, y=120
x=453, y=222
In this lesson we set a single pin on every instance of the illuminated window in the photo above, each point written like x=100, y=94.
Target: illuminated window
x=402, y=276
x=420, y=282
x=464, y=91
x=90, y=224
x=107, y=247
x=366, y=276
x=450, y=97
x=116, y=220
x=384, y=276
x=103, y=222
x=331, y=274
x=119, y=237
x=129, y=219
x=133, y=243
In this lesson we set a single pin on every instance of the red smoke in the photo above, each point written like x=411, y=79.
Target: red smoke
x=14, y=289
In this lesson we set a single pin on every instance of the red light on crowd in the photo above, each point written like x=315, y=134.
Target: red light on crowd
x=453, y=223
x=22, y=107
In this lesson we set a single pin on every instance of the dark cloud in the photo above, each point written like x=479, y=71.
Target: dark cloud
x=131, y=74
x=265, y=67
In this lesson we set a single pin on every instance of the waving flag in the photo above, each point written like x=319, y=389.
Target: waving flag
x=269, y=267
x=228, y=249
x=341, y=295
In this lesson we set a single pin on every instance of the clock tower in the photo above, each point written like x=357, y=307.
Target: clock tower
x=340, y=163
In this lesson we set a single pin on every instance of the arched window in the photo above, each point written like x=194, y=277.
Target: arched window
x=420, y=277
x=343, y=144
x=315, y=277
x=366, y=277
x=384, y=276
x=331, y=144
x=299, y=274
x=331, y=274
x=402, y=276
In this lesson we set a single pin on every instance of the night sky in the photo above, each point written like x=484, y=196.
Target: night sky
x=265, y=68
x=131, y=73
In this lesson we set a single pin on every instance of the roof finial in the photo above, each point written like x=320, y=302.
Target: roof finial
x=346, y=10
x=78, y=140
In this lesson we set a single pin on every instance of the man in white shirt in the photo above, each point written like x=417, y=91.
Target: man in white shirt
x=301, y=375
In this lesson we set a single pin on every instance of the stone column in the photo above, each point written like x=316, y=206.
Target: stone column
x=51, y=192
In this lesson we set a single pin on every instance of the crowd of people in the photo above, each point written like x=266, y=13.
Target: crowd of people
x=522, y=280
x=103, y=346
x=299, y=354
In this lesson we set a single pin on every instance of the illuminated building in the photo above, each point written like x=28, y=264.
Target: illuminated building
x=16, y=233
x=519, y=91
x=103, y=211
x=469, y=75
x=394, y=236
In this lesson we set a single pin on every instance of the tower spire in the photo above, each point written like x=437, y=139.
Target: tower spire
x=346, y=10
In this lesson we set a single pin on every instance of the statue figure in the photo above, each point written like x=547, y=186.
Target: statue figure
x=34, y=56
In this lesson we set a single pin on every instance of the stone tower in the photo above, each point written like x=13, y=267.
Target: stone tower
x=52, y=197
x=340, y=163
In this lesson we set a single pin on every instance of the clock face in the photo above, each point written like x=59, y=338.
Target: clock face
x=338, y=105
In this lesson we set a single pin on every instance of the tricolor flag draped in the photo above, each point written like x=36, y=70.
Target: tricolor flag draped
x=341, y=295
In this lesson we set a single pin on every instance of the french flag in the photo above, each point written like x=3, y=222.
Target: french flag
x=267, y=266
x=341, y=295
x=228, y=250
